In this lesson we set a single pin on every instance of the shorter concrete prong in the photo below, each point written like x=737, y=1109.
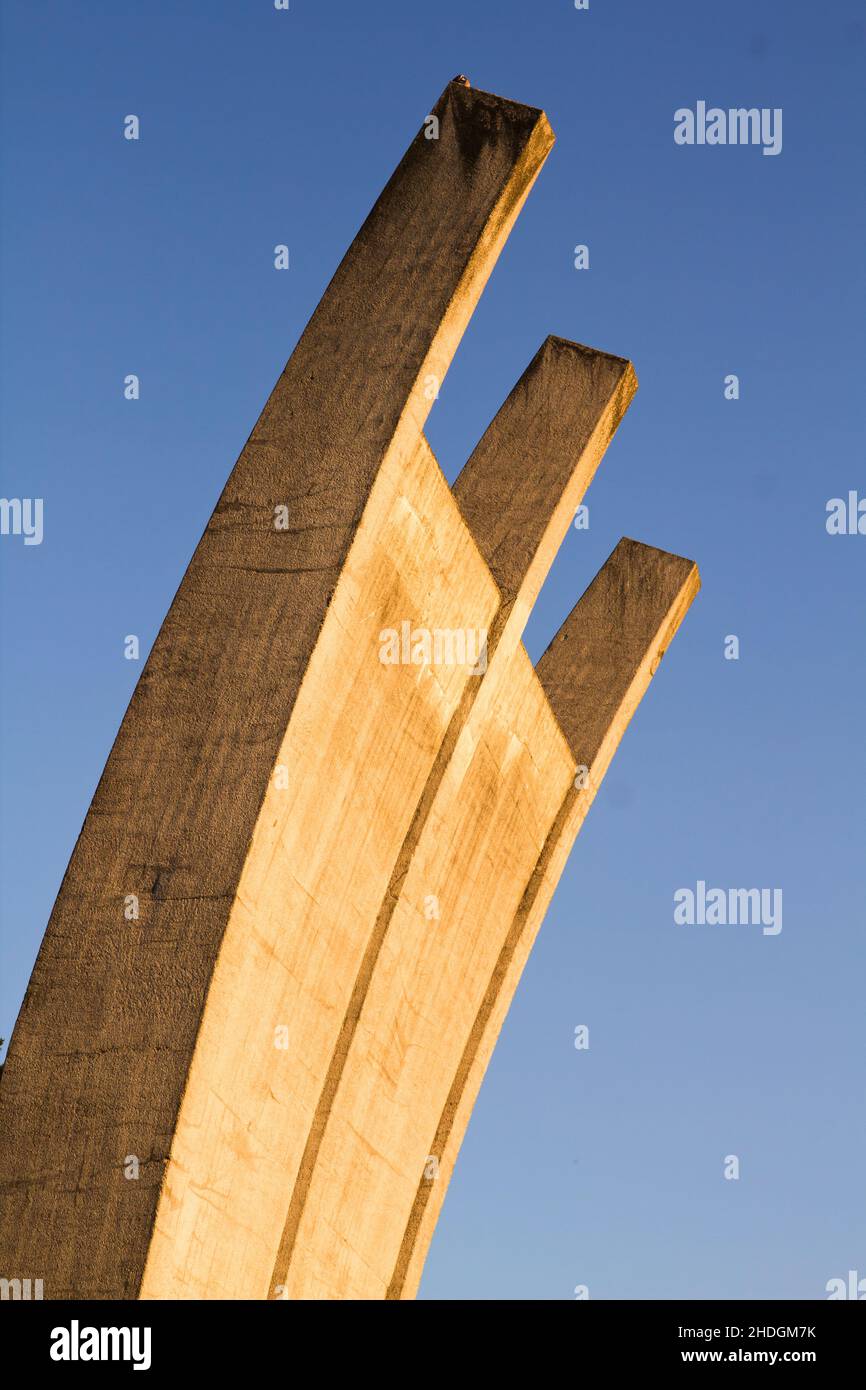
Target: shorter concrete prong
x=592, y=678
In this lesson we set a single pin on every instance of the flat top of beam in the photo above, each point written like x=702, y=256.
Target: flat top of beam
x=594, y=656
x=529, y=471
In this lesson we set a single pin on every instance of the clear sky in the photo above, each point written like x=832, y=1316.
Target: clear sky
x=602, y=1167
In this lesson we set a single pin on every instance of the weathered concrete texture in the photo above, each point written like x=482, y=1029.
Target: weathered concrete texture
x=550, y=433
x=323, y=872
x=286, y=1037
x=502, y=821
x=521, y=487
x=594, y=675
x=254, y=661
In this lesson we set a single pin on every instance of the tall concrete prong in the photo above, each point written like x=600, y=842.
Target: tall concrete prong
x=154, y=1036
x=320, y=849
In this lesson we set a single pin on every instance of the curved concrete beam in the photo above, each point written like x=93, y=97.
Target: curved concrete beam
x=257, y=660
x=279, y=795
x=501, y=825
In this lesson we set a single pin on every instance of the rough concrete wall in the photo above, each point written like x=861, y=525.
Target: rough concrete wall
x=100, y=1056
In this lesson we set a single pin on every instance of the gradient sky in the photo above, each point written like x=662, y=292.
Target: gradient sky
x=601, y=1167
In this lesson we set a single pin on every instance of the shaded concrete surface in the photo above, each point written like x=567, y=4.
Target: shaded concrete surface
x=284, y=1037
x=101, y=1054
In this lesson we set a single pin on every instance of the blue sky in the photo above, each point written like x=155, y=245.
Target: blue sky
x=601, y=1167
